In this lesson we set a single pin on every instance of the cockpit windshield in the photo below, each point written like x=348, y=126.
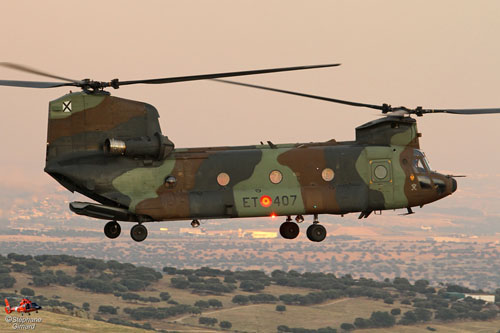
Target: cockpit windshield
x=420, y=163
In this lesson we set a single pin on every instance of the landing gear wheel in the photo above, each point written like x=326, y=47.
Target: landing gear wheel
x=195, y=223
x=112, y=229
x=316, y=232
x=289, y=230
x=138, y=232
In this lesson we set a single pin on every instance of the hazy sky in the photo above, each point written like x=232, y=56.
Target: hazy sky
x=431, y=53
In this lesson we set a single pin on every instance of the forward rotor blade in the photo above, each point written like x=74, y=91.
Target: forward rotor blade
x=219, y=75
x=26, y=69
x=464, y=111
x=334, y=100
x=399, y=111
x=35, y=84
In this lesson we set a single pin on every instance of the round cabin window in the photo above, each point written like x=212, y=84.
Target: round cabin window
x=327, y=174
x=380, y=172
x=275, y=177
x=223, y=179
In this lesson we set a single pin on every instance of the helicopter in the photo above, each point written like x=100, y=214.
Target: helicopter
x=25, y=306
x=112, y=150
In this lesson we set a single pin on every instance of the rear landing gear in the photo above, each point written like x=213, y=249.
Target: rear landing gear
x=316, y=232
x=288, y=229
x=112, y=229
x=138, y=232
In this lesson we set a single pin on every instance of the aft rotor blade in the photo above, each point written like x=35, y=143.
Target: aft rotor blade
x=219, y=75
x=322, y=98
x=464, y=111
x=35, y=84
x=27, y=69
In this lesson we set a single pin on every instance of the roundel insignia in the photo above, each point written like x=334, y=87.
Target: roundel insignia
x=265, y=201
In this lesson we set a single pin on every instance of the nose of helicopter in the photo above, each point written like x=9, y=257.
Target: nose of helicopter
x=453, y=185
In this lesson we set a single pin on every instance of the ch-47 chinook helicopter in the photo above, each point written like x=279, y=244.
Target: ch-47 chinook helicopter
x=112, y=150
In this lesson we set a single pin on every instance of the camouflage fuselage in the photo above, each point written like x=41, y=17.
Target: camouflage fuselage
x=382, y=169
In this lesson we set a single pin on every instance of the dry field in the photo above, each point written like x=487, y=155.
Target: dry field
x=53, y=322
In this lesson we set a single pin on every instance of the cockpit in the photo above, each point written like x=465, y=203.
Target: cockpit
x=426, y=177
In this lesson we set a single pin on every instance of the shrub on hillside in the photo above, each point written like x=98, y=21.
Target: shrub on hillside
x=63, y=279
x=388, y=300
x=95, y=285
x=382, y=319
x=153, y=299
x=81, y=269
x=409, y=318
x=229, y=279
x=396, y=311
x=19, y=257
x=251, y=286
x=262, y=298
x=207, y=321
x=165, y=296
x=130, y=297
x=458, y=289
x=423, y=314
x=6, y=281
x=170, y=270
x=225, y=325
x=134, y=284
x=44, y=279
x=240, y=299
x=215, y=303
x=362, y=323
x=179, y=283
x=280, y=308
x=109, y=309
x=347, y=326
x=446, y=314
x=201, y=304
x=27, y=292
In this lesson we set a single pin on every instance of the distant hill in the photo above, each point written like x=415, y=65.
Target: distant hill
x=97, y=294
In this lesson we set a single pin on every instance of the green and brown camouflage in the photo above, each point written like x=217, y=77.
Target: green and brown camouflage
x=112, y=150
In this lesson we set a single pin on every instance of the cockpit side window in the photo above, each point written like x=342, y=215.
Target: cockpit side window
x=424, y=160
x=420, y=164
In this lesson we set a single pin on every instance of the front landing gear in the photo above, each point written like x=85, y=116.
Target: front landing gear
x=138, y=232
x=316, y=232
x=288, y=229
x=112, y=229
